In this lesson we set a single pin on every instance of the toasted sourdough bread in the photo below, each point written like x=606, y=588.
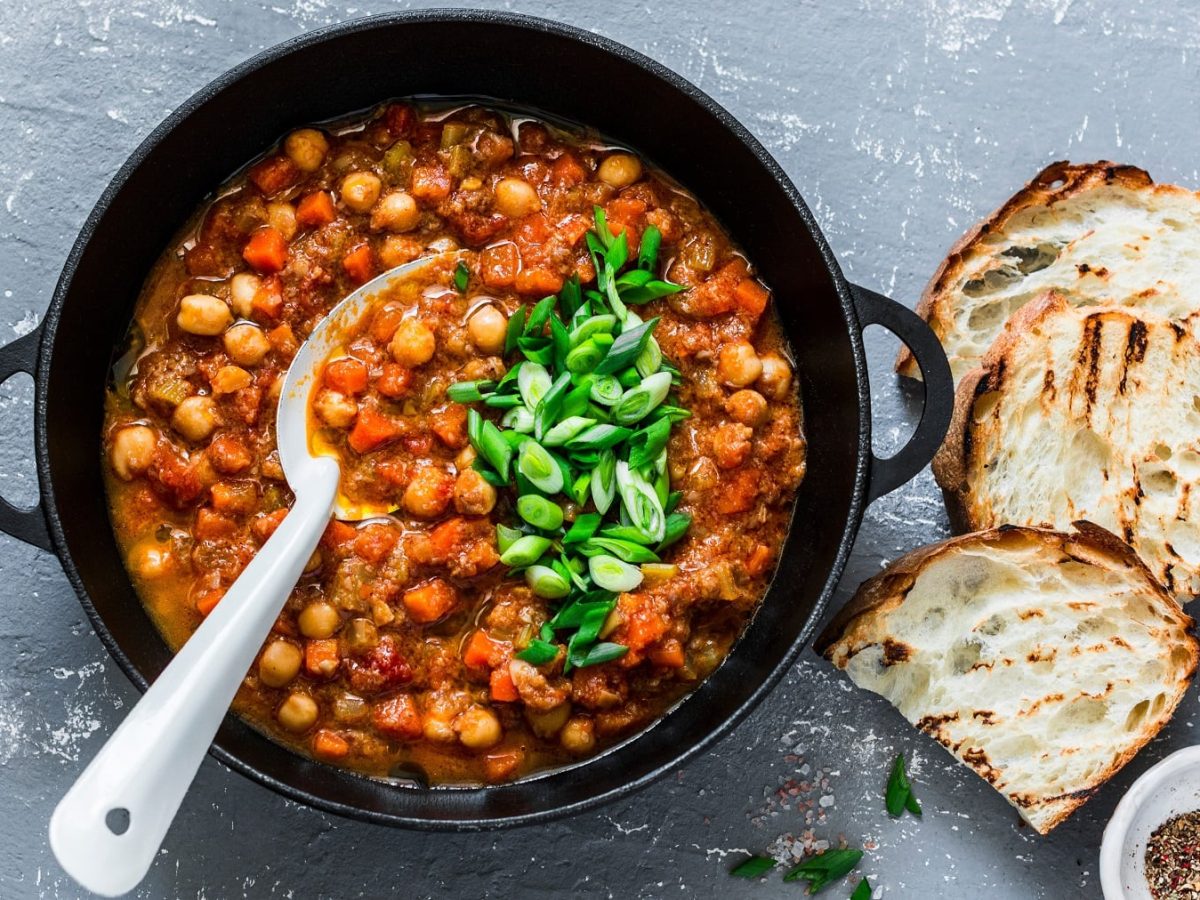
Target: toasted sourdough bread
x=1100, y=233
x=1042, y=660
x=1084, y=414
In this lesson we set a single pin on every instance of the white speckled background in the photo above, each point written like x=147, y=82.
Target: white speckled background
x=901, y=121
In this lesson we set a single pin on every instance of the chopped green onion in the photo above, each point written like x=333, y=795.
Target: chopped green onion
x=624, y=533
x=474, y=428
x=487, y=473
x=547, y=583
x=673, y=499
x=634, y=278
x=589, y=327
x=539, y=652
x=565, y=430
x=581, y=488
x=648, y=252
x=587, y=355
x=502, y=401
x=863, y=891
x=537, y=349
x=606, y=390
x=582, y=528
x=599, y=437
x=637, y=403
x=640, y=502
x=562, y=342
x=652, y=290
x=611, y=574
x=646, y=445
x=626, y=348
x=627, y=551
x=491, y=445
x=470, y=391
x=675, y=528
x=546, y=411
x=516, y=329
x=570, y=297
x=538, y=316
x=671, y=413
x=601, y=653
x=542, y=470
x=519, y=419
x=753, y=867
x=823, y=868
x=576, y=401
x=593, y=606
x=650, y=359
x=506, y=537
x=533, y=382
x=525, y=551
x=540, y=512
x=630, y=378
x=462, y=275
x=604, y=481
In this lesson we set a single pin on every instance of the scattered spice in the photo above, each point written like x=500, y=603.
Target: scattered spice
x=1173, y=859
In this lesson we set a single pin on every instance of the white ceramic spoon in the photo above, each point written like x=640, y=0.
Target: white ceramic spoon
x=107, y=830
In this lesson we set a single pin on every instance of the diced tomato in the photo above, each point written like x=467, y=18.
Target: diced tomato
x=533, y=229
x=315, y=210
x=669, y=654
x=283, y=340
x=385, y=322
x=268, y=299
x=371, y=430
x=273, y=174
x=430, y=182
x=567, y=171
x=399, y=118
x=624, y=211
x=383, y=669
x=176, y=478
x=572, y=228
x=212, y=525
x=237, y=498
x=330, y=745
x=450, y=426
x=266, y=250
x=417, y=443
x=752, y=297
x=738, y=491
x=501, y=685
x=758, y=560
x=321, y=657
x=447, y=539
x=394, y=380
x=503, y=764
x=398, y=718
x=208, y=601
x=229, y=454
x=498, y=265
x=483, y=651
x=431, y=601
x=375, y=542
x=347, y=375
x=337, y=533
x=359, y=263
x=644, y=624
x=264, y=526
x=538, y=281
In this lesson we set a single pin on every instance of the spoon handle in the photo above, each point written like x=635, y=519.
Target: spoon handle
x=141, y=774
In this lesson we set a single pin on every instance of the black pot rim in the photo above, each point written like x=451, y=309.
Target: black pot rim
x=547, y=27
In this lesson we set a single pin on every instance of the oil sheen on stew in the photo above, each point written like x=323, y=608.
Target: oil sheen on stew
x=405, y=647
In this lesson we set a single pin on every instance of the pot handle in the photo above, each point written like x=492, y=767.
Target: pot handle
x=28, y=525
x=875, y=309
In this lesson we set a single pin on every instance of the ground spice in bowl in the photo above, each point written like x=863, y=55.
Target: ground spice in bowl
x=1173, y=859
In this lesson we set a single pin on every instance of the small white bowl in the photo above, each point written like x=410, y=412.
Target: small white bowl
x=1166, y=790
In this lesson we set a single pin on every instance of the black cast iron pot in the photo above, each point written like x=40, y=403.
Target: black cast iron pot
x=567, y=73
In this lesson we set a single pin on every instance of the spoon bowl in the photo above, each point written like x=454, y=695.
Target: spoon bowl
x=107, y=829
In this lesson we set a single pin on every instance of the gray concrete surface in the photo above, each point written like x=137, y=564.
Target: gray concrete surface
x=902, y=121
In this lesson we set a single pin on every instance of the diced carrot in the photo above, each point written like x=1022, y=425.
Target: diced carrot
x=572, y=229
x=430, y=182
x=669, y=654
x=643, y=624
x=208, y=601
x=567, y=171
x=624, y=211
x=212, y=525
x=229, y=454
x=450, y=426
x=371, y=429
x=430, y=601
x=398, y=718
x=483, y=651
x=394, y=380
x=268, y=299
x=283, y=340
x=330, y=745
x=538, y=281
x=321, y=657
x=447, y=539
x=498, y=265
x=752, y=297
x=385, y=322
x=503, y=764
x=273, y=174
x=264, y=526
x=359, y=263
x=235, y=498
x=533, y=229
x=375, y=542
x=266, y=250
x=316, y=210
x=502, y=688
x=759, y=559
x=738, y=491
x=347, y=375
x=337, y=533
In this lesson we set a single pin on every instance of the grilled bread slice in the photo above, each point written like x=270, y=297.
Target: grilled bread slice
x=1099, y=233
x=1084, y=413
x=1042, y=660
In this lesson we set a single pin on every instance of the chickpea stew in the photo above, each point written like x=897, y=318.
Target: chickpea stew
x=514, y=605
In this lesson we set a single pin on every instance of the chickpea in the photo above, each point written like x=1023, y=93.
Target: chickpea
x=465, y=457
x=398, y=250
x=203, y=314
x=150, y=560
x=319, y=620
x=279, y=663
x=748, y=407
x=298, y=712
x=487, y=328
x=428, y=494
x=195, y=418
x=397, y=211
x=360, y=190
x=242, y=288
x=133, y=450
x=438, y=729
x=620, y=170
x=776, y=379
x=306, y=148
x=335, y=408
x=282, y=217
x=246, y=344
x=546, y=724
x=413, y=343
x=229, y=379
x=578, y=735
x=516, y=198
x=473, y=496
x=738, y=365
x=478, y=728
